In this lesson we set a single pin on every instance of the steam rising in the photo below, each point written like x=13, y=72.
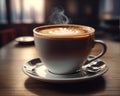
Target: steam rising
x=58, y=17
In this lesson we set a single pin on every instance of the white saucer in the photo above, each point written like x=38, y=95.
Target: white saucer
x=25, y=39
x=35, y=69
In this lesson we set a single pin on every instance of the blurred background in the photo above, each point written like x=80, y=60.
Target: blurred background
x=19, y=17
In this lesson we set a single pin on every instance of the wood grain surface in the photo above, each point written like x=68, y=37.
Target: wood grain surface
x=13, y=82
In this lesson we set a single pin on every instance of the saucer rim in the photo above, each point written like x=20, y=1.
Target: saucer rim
x=24, y=41
x=65, y=80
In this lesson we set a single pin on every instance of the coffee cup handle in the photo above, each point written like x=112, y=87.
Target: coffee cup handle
x=103, y=51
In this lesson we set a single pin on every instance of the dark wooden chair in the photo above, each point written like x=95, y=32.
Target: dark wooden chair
x=7, y=35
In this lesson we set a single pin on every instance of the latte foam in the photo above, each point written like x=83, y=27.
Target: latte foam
x=62, y=31
x=59, y=31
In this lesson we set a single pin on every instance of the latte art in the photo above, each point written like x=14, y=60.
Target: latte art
x=63, y=31
x=60, y=31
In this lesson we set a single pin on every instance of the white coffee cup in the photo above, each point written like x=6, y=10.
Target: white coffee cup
x=64, y=48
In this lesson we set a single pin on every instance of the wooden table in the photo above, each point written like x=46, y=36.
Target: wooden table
x=13, y=82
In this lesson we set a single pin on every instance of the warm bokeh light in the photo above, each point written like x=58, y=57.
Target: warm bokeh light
x=28, y=11
x=35, y=9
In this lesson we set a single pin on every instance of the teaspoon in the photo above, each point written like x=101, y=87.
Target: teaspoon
x=94, y=66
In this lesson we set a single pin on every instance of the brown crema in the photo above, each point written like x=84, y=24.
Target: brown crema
x=63, y=31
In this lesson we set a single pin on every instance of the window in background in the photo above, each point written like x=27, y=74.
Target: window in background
x=109, y=9
x=28, y=11
x=110, y=18
x=2, y=12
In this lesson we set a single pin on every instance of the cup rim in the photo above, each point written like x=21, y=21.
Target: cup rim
x=90, y=30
